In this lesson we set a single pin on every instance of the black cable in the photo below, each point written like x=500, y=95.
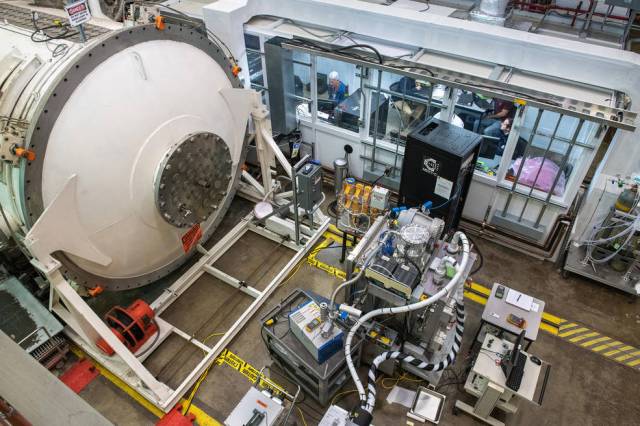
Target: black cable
x=64, y=35
x=363, y=46
x=386, y=172
x=416, y=66
x=480, y=257
x=196, y=25
x=340, y=50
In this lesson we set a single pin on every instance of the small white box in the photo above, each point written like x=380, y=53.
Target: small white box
x=379, y=198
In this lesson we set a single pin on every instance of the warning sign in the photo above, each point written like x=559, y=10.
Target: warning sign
x=78, y=13
x=191, y=238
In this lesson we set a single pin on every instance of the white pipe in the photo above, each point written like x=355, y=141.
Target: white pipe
x=366, y=261
x=458, y=236
x=352, y=280
x=268, y=138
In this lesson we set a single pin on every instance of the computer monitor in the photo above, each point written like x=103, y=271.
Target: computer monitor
x=327, y=105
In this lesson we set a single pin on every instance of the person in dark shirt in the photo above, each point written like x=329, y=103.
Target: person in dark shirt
x=409, y=109
x=337, y=89
x=503, y=110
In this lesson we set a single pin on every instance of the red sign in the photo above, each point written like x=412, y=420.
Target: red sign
x=191, y=237
x=78, y=13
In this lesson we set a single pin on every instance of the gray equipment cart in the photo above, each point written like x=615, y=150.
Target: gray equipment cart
x=320, y=381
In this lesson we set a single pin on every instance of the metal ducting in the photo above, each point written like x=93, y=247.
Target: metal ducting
x=490, y=12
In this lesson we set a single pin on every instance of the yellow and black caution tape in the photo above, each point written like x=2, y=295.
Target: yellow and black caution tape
x=313, y=261
x=598, y=343
x=569, y=331
x=250, y=372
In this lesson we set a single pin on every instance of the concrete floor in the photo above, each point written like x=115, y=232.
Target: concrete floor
x=584, y=388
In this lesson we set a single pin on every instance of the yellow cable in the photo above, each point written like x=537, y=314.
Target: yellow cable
x=349, y=391
x=195, y=388
x=301, y=416
x=202, y=377
x=213, y=335
x=292, y=273
x=403, y=378
x=342, y=393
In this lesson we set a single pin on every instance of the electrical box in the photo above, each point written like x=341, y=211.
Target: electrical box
x=309, y=183
x=379, y=198
x=439, y=160
x=306, y=325
x=256, y=408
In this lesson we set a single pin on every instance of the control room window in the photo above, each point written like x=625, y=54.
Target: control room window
x=550, y=148
x=340, y=97
x=254, y=59
x=302, y=84
x=492, y=118
x=403, y=103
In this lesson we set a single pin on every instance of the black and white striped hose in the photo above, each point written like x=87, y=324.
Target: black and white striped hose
x=458, y=238
x=450, y=358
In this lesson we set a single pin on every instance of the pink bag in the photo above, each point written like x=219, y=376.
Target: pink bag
x=545, y=178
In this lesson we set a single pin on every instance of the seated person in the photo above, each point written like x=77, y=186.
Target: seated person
x=338, y=91
x=502, y=134
x=492, y=122
x=409, y=109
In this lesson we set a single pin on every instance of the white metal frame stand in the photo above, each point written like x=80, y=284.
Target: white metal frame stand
x=85, y=327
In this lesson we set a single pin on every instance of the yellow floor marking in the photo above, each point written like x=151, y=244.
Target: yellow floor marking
x=627, y=356
x=606, y=345
x=474, y=297
x=634, y=363
x=568, y=326
x=201, y=417
x=552, y=318
x=617, y=351
x=480, y=288
x=549, y=328
x=594, y=341
x=584, y=336
x=574, y=331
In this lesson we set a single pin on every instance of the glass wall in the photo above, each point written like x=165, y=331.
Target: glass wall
x=549, y=148
x=544, y=147
x=340, y=98
x=401, y=103
x=255, y=59
x=302, y=84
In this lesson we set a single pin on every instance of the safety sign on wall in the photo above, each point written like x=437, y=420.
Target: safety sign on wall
x=78, y=12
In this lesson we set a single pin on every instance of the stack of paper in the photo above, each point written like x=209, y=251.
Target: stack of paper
x=520, y=300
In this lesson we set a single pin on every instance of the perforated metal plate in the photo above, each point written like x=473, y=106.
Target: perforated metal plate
x=192, y=180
